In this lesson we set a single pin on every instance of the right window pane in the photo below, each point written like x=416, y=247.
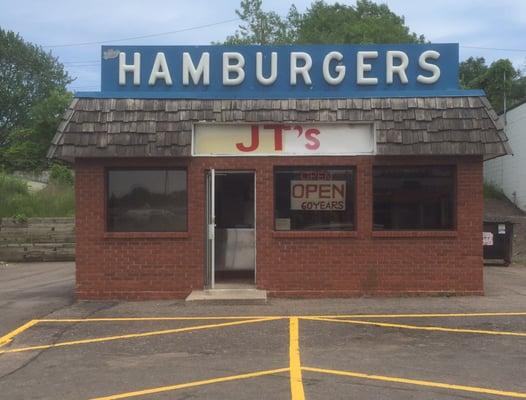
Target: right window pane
x=413, y=198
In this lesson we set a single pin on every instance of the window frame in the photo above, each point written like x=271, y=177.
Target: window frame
x=454, y=213
x=110, y=233
x=316, y=232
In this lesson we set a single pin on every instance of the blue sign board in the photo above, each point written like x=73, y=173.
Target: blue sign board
x=280, y=72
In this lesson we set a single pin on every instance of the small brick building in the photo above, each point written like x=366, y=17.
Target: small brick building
x=441, y=139
x=301, y=197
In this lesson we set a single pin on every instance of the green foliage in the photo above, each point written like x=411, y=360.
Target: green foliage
x=493, y=192
x=28, y=75
x=33, y=97
x=18, y=202
x=367, y=22
x=61, y=175
x=263, y=27
x=11, y=186
x=22, y=153
x=26, y=147
x=470, y=69
x=20, y=218
x=497, y=80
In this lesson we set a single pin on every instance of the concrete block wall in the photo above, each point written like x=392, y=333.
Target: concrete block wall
x=37, y=239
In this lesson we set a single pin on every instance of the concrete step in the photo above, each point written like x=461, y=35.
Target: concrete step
x=231, y=296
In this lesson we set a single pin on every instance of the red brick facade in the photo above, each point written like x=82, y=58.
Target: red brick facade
x=302, y=264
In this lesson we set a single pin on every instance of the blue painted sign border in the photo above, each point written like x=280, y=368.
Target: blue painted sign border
x=155, y=85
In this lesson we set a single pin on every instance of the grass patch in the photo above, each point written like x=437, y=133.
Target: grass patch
x=493, y=192
x=16, y=201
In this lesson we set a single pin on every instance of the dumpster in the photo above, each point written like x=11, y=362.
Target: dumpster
x=497, y=238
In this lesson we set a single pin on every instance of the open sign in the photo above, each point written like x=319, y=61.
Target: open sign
x=320, y=195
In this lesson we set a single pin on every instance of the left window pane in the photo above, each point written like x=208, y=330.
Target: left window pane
x=150, y=200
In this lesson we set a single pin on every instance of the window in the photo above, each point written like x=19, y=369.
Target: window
x=150, y=200
x=414, y=198
x=314, y=198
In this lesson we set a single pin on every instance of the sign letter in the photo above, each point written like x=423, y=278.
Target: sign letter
x=303, y=70
x=134, y=68
x=340, y=69
x=202, y=70
x=160, y=70
x=396, y=69
x=273, y=68
x=254, y=133
x=236, y=68
x=362, y=67
x=422, y=62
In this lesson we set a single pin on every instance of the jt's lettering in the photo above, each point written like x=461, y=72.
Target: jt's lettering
x=310, y=135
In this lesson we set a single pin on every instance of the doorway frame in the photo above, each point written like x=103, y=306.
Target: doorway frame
x=209, y=264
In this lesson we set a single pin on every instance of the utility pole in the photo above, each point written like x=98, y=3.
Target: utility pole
x=504, y=86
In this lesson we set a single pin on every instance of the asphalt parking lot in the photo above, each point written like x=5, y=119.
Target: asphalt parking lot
x=408, y=348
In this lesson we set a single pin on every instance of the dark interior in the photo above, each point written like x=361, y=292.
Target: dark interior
x=234, y=202
x=234, y=209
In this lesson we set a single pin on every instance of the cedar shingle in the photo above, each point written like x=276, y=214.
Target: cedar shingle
x=160, y=127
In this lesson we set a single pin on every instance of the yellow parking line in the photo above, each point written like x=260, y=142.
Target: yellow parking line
x=9, y=337
x=417, y=382
x=131, y=319
x=296, y=382
x=237, y=317
x=437, y=315
x=192, y=384
x=422, y=328
x=136, y=335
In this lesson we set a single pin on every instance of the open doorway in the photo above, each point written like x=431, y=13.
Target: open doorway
x=233, y=259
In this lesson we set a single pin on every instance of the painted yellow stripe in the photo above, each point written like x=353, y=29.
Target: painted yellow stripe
x=436, y=315
x=237, y=317
x=139, y=319
x=136, y=335
x=9, y=337
x=421, y=328
x=296, y=382
x=417, y=382
x=191, y=384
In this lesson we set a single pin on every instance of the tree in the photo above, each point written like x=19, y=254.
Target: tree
x=261, y=27
x=497, y=80
x=28, y=144
x=470, y=70
x=322, y=23
x=28, y=75
x=367, y=22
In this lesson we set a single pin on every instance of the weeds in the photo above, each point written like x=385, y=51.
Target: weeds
x=16, y=201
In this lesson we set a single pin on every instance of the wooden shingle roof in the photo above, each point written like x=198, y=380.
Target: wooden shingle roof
x=163, y=128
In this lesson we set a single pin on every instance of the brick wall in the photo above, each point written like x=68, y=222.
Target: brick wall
x=308, y=264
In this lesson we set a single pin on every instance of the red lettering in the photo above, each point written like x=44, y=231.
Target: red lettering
x=299, y=129
x=255, y=141
x=310, y=188
x=295, y=193
x=338, y=189
x=314, y=142
x=325, y=191
x=278, y=135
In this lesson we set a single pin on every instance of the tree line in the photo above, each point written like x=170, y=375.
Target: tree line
x=33, y=83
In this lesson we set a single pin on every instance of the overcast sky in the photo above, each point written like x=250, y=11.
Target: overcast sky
x=57, y=24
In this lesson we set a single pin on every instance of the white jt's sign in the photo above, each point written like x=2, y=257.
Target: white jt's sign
x=283, y=139
x=317, y=195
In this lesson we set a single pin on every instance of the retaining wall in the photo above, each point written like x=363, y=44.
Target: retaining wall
x=37, y=239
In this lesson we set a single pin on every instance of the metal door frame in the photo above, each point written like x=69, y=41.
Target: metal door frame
x=210, y=228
